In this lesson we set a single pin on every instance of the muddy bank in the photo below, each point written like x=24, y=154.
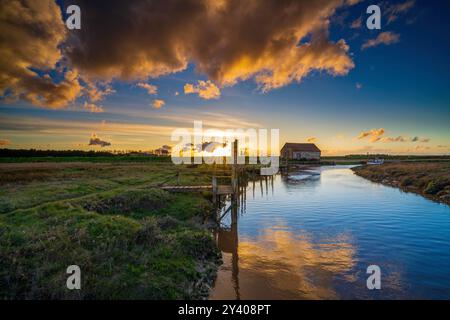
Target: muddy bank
x=430, y=180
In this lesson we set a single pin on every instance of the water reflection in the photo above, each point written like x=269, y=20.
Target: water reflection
x=312, y=233
x=281, y=265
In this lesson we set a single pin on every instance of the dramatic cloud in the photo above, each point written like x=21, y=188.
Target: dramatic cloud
x=96, y=141
x=228, y=40
x=385, y=38
x=205, y=89
x=93, y=108
x=374, y=135
x=393, y=11
x=356, y=24
x=151, y=89
x=32, y=32
x=312, y=139
x=4, y=142
x=274, y=42
x=158, y=103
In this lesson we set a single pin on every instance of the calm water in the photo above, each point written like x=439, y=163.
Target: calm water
x=311, y=235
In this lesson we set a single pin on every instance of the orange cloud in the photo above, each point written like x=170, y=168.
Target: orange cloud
x=219, y=38
x=4, y=142
x=205, y=89
x=228, y=41
x=32, y=32
x=158, y=103
x=93, y=108
x=374, y=135
x=385, y=38
x=97, y=92
x=311, y=139
x=151, y=89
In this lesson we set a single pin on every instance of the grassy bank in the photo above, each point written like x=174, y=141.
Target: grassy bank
x=431, y=180
x=131, y=239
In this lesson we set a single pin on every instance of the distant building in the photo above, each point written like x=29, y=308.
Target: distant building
x=300, y=151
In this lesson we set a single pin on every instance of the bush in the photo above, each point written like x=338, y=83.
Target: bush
x=149, y=234
x=408, y=181
x=434, y=187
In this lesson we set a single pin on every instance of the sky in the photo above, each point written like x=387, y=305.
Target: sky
x=138, y=70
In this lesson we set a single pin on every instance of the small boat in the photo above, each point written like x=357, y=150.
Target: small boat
x=375, y=161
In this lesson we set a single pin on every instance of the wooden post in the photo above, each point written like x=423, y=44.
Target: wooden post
x=234, y=177
x=178, y=178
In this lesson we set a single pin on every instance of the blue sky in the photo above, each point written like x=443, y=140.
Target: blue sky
x=401, y=87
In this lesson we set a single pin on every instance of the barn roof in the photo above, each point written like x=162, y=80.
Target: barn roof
x=306, y=147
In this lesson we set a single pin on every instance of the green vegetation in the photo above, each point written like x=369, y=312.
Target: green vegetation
x=431, y=180
x=131, y=239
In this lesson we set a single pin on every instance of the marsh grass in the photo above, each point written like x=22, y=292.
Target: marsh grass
x=131, y=239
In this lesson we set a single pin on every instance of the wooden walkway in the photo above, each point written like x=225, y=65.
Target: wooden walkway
x=221, y=190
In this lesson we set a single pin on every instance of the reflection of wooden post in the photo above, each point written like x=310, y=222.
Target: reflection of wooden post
x=214, y=189
x=235, y=255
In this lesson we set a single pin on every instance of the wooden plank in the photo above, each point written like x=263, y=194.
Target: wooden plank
x=221, y=189
x=224, y=189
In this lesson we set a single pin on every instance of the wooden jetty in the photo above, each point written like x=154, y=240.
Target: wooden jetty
x=217, y=190
x=221, y=189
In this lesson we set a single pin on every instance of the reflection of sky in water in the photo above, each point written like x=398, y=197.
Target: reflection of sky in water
x=314, y=238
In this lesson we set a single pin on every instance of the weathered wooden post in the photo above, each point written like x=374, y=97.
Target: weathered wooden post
x=178, y=177
x=234, y=173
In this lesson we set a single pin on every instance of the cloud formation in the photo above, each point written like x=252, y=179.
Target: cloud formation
x=151, y=89
x=311, y=139
x=93, y=108
x=374, y=135
x=97, y=91
x=418, y=139
x=96, y=141
x=205, y=89
x=356, y=24
x=4, y=142
x=228, y=40
x=385, y=38
x=158, y=103
x=32, y=32
x=393, y=11
x=395, y=139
